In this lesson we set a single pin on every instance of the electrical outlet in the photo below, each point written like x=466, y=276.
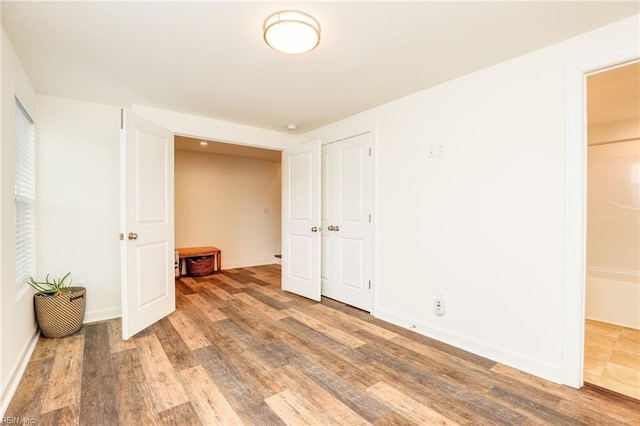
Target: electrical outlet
x=440, y=305
x=440, y=149
x=431, y=150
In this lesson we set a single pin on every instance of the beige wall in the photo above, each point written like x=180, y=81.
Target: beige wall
x=613, y=223
x=613, y=203
x=232, y=203
x=613, y=198
x=614, y=131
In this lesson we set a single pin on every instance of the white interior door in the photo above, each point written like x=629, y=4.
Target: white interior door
x=147, y=247
x=347, y=235
x=301, y=220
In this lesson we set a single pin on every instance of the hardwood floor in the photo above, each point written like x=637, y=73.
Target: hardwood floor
x=612, y=357
x=238, y=350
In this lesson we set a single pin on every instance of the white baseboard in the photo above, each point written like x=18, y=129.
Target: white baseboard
x=511, y=359
x=15, y=375
x=102, y=314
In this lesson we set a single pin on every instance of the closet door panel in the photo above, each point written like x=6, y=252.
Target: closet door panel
x=347, y=231
x=352, y=184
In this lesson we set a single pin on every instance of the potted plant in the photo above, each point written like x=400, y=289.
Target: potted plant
x=59, y=307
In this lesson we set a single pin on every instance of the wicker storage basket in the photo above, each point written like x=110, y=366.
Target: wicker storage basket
x=61, y=315
x=200, y=266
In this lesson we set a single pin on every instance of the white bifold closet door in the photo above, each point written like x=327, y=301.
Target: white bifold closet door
x=346, y=222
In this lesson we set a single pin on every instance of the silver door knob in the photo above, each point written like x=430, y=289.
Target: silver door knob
x=336, y=228
x=330, y=227
x=133, y=236
x=314, y=229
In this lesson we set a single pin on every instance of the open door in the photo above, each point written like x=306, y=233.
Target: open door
x=301, y=220
x=146, y=220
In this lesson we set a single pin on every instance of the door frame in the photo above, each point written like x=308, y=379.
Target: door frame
x=572, y=365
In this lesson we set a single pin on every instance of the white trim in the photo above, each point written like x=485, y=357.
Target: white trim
x=512, y=359
x=16, y=372
x=330, y=141
x=575, y=207
x=348, y=132
x=374, y=230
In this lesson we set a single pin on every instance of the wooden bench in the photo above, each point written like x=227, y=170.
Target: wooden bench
x=187, y=252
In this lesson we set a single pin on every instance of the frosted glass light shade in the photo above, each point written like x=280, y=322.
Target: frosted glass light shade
x=290, y=31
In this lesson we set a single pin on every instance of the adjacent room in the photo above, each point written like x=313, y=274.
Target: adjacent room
x=421, y=168
x=228, y=196
x=612, y=351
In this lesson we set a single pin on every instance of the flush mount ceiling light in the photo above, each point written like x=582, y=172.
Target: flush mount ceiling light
x=291, y=31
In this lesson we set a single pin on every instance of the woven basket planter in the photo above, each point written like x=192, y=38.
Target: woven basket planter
x=200, y=266
x=61, y=315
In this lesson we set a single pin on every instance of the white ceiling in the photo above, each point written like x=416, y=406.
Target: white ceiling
x=209, y=59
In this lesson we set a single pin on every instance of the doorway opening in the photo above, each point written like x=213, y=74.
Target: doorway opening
x=612, y=304
x=228, y=196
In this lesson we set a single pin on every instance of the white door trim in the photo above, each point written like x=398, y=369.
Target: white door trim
x=575, y=207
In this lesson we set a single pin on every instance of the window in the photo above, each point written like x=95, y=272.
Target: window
x=25, y=195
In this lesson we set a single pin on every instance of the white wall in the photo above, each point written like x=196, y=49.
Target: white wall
x=78, y=198
x=613, y=228
x=232, y=203
x=18, y=329
x=483, y=224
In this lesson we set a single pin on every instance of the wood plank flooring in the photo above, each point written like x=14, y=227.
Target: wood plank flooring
x=238, y=350
x=612, y=357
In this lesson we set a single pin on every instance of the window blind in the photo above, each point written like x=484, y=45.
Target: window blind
x=25, y=195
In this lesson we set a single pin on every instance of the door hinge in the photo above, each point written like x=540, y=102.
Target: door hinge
x=122, y=121
x=369, y=151
x=369, y=217
x=369, y=284
x=121, y=236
